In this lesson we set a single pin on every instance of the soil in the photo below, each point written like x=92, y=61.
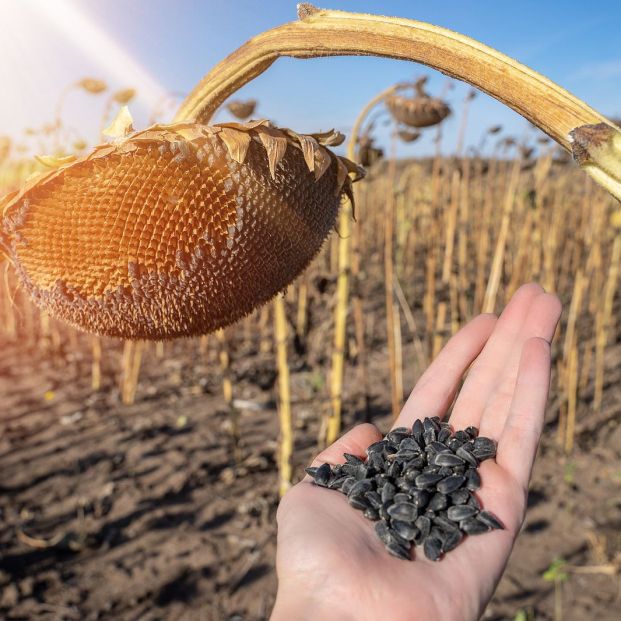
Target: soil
x=142, y=512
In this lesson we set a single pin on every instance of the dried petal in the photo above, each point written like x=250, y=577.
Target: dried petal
x=121, y=126
x=275, y=144
x=322, y=162
x=55, y=162
x=237, y=143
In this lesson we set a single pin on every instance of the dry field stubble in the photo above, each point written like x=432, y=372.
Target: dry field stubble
x=164, y=508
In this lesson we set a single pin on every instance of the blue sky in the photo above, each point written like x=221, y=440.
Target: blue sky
x=176, y=42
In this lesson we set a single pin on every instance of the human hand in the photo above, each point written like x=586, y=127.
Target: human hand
x=332, y=566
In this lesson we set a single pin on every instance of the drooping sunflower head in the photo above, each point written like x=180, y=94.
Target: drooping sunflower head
x=176, y=230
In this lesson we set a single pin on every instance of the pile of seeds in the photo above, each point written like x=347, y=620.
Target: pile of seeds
x=418, y=486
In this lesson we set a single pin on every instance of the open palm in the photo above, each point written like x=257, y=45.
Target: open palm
x=330, y=562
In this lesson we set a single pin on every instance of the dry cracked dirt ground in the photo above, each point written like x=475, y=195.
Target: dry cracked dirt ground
x=141, y=512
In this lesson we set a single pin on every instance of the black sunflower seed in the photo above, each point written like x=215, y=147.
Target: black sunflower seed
x=347, y=484
x=474, y=502
x=352, y=459
x=467, y=456
x=431, y=424
x=451, y=484
x=418, y=429
x=398, y=550
x=398, y=538
x=406, y=455
x=423, y=523
x=403, y=511
x=401, y=497
x=418, y=539
x=323, y=475
x=360, y=487
x=418, y=462
x=387, y=536
x=453, y=444
x=376, y=447
x=437, y=533
x=411, y=474
x=444, y=434
x=397, y=435
x=427, y=479
x=451, y=541
x=429, y=436
x=484, y=453
x=473, y=480
x=409, y=444
x=438, y=502
x=460, y=497
x=448, y=459
x=441, y=520
x=388, y=491
x=358, y=502
x=473, y=432
x=371, y=513
x=349, y=469
x=375, y=500
x=473, y=526
x=489, y=519
x=462, y=436
x=380, y=480
x=337, y=482
x=437, y=447
x=377, y=461
x=420, y=497
x=394, y=470
x=383, y=531
x=432, y=548
x=461, y=512
x=404, y=529
x=403, y=484
x=362, y=472
x=484, y=443
x=445, y=471
x=390, y=449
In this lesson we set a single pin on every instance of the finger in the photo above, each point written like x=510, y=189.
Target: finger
x=436, y=388
x=517, y=445
x=540, y=323
x=483, y=376
x=355, y=441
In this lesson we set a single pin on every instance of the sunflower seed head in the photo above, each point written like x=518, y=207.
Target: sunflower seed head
x=124, y=253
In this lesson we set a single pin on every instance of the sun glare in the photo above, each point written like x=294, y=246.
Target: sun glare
x=96, y=43
x=46, y=45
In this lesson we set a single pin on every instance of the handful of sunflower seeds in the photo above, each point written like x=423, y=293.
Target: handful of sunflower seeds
x=418, y=486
